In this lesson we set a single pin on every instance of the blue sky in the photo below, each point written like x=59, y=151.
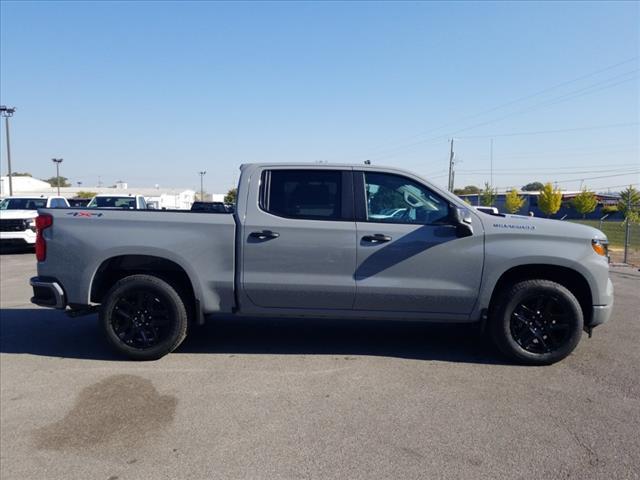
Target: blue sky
x=153, y=92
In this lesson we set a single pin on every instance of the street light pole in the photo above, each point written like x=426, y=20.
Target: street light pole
x=202, y=174
x=7, y=112
x=57, y=161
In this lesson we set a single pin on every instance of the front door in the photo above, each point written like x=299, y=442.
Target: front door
x=299, y=239
x=410, y=258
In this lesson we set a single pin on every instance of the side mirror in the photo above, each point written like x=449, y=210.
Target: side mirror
x=462, y=220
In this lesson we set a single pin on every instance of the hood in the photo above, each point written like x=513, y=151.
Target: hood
x=12, y=214
x=539, y=226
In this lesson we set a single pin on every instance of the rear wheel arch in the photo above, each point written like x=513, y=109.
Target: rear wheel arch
x=569, y=278
x=116, y=268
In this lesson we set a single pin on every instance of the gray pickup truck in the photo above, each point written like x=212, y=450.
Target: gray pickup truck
x=339, y=241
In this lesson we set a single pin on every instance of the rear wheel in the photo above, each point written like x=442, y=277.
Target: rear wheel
x=538, y=322
x=144, y=317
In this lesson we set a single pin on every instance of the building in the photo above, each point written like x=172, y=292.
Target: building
x=566, y=209
x=22, y=184
x=157, y=197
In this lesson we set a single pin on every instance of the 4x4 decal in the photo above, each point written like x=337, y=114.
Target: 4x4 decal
x=84, y=214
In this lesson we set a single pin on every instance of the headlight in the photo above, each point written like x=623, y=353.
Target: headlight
x=31, y=224
x=601, y=247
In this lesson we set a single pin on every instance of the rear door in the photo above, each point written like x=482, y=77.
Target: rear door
x=410, y=258
x=298, y=234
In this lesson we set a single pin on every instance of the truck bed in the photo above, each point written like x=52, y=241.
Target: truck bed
x=80, y=241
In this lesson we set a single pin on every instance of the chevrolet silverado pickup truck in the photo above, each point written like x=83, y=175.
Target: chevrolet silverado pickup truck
x=313, y=241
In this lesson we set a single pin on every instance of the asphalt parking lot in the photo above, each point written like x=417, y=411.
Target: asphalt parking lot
x=311, y=399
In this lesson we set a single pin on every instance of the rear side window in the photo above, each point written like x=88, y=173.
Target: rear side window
x=303, y=194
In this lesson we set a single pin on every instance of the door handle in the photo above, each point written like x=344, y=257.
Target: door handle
x=264, y=235
x=377, y=238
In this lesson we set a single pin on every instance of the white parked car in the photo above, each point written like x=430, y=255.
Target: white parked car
x=18, y=217
x=120, y=202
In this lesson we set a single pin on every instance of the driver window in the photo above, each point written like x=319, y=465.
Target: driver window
x=395, y=199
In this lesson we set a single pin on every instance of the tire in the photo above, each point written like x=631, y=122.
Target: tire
x=537, y=322
x=143, y=317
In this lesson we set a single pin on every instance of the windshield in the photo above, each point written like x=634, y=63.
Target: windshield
x=113, y=202
x=23, y=203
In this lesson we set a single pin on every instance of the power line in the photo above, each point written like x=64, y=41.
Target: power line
x=588, y=178
x=559, y=130
x=572, y=172
x=606, y=147
x=511, y=102
x=553, y=101
x=566, y=154
x=572, y=168
x=620, y=186
x=602, y=176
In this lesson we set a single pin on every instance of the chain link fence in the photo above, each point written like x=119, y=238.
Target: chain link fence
x=624, y=239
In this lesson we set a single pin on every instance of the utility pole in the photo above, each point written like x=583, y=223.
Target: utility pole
x=202, y=174
x=450, y=185
x=491, y=159
x=57, y=161
x=7, y=112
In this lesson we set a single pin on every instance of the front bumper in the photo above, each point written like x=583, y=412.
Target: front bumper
x=47, y=292
x=601, y=313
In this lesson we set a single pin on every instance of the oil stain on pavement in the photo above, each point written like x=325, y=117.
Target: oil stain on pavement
x=120, y=411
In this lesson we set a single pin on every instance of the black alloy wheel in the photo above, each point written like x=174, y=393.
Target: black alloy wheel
x=536, y=321
x=540, y=324
x=144, y=317
x=141, y=318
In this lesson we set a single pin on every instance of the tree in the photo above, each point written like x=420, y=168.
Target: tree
x=58, y=181
x=83, y=194
x=630, y=196
x=585, y=202
x=19, y=174
x=550, y=199
x=513, y=202
x=533, y=187
x=231, y=195
x=468, y=190
x=488, y=195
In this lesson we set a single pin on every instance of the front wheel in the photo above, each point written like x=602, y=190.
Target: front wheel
x=143, y=317
x=537, y=322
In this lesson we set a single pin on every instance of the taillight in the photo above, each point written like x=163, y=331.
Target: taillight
x=43, y=221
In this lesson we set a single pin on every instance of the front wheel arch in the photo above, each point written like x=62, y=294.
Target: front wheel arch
x=572, y=280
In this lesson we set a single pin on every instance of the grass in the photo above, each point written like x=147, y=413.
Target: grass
x=614, y=231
